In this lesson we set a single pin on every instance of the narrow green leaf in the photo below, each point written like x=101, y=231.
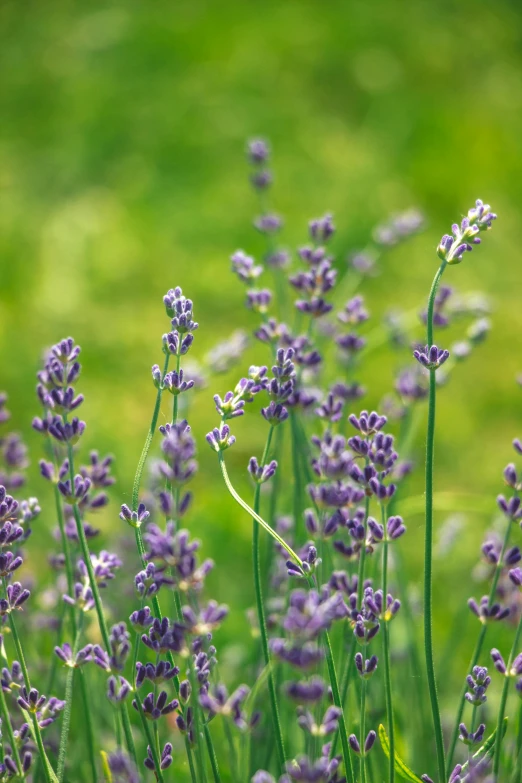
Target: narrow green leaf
x=400, y=767
x=107, y=774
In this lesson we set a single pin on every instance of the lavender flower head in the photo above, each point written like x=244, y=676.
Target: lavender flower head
x=452, y=247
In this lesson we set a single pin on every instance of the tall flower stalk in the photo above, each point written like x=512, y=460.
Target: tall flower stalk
x=451, y=251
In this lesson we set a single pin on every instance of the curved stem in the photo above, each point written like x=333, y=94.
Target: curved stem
x=261, y=615
x=503, y=700
x=428, y=547
x=337, y=701
x=480, y=643
x=386, y=642
x=254, y=514
x=148, y=441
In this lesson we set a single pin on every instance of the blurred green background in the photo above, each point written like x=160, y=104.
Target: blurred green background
x=123, y=173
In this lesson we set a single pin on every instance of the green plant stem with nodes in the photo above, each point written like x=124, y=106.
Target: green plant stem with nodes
x=148, y=441
x=348, y=668
x=480, y=643
x=86, y=555
x=261, y=613
x=139, y=538
x=6, y=725
x=362, y=731
x=428, y=549
x=150, y=741
x=311, y=582
x=88, y=726
x=386, y=644
x=66, y=720
x=503, y=700
x=48, y=770
x=337, y=701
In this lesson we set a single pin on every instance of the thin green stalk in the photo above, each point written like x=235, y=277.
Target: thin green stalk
x=148, y=441
x=176, y=396
x=254, y=514
x=48, y=770
x=86, y=555
x=158, y=772
x=66, y=720
x=337, y=701
x=211, y=753
x=231, y=751
x=296, y=466
x=6, y=725
x=196, y=717
x=88, y=726
x=428, y=549
x=345, y=681
x=127, y=730
x=362, y=731
x=503, y=700
x=478, y=646
x=386, y=644
x=278, y=733
x=156, y=608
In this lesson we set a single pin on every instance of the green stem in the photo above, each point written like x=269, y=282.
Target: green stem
x=428, y=549
x=211, y=753
x=362, y=732
x=386, y=643
x=345, y=681
x=127, y=730
x=48, y=770
x=88, y=726
x=6, y=725
x=232, y=751
x=503, y=700
x=261, y=614
x=148, y=441
x=296, y=465
x=337, y=701
x=150, y=741
x=84, y=546
x=254, y=514
x=66, y=720
x=480, y=642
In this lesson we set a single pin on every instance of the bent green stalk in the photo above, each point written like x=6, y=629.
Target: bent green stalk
x=503, y=700
x=480, y=643
x=386, y=644
x=250, y=511
x=428, y=545
x=261, y=613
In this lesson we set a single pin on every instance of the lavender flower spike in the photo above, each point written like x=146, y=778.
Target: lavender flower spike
x=220, y=439
x=134, y=518
x=431, y=357
x=452, y=248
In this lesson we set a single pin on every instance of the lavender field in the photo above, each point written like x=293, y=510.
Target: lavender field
x=260, y=433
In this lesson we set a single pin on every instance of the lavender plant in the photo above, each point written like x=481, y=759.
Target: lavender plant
x=143, y=688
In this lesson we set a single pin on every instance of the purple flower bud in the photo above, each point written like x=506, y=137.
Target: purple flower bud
x=431, y=357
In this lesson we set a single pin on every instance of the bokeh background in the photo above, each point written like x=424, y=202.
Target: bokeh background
x=123, y=173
